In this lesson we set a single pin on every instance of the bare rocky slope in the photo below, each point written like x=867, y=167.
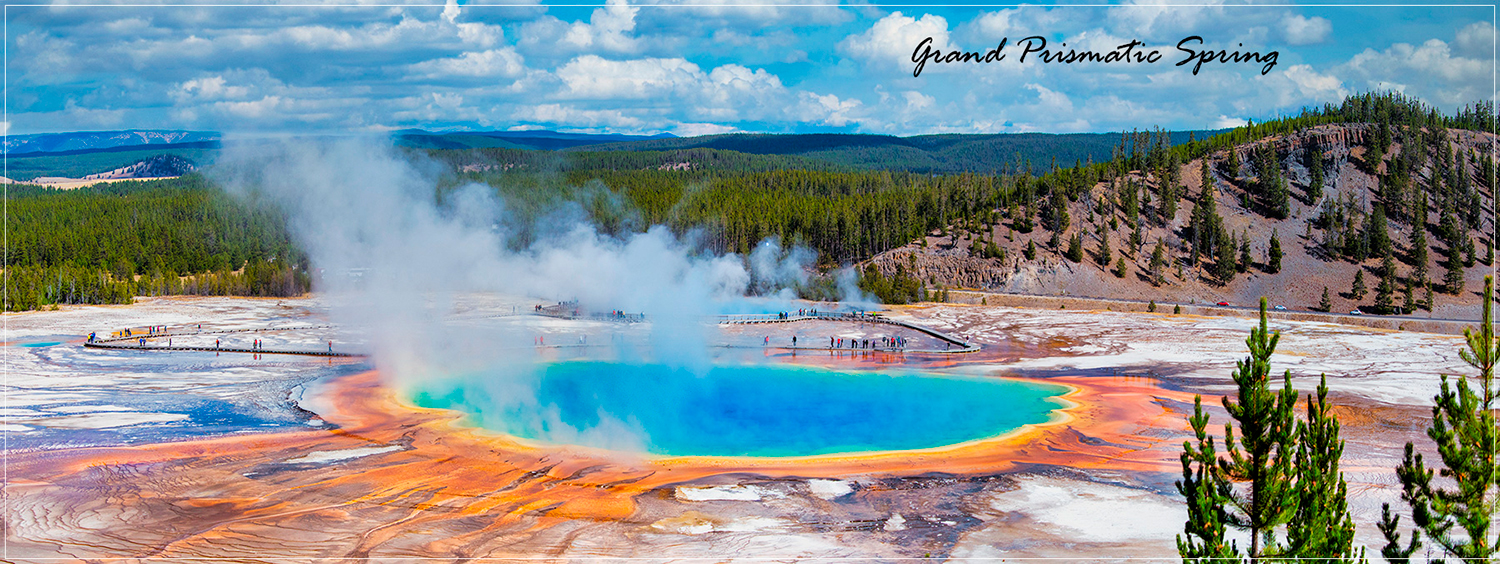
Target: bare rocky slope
x=945, y=259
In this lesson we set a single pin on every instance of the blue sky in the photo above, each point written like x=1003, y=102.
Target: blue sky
x=700, y=67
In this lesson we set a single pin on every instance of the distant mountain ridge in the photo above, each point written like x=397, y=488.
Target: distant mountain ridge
x=934, y=154
x=88, y=141
x=531, y=139
x=938, y=154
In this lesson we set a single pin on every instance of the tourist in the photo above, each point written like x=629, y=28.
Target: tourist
x=794, y=340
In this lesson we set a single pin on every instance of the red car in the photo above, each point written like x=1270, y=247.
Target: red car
x=1223, y=303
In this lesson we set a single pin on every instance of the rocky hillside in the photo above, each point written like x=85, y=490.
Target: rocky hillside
x=159, y=166
x=1326, y=236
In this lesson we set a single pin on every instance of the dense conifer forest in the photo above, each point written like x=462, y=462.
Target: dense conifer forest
x=109, y=242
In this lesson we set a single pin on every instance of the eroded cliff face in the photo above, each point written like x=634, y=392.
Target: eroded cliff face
x=945, y=260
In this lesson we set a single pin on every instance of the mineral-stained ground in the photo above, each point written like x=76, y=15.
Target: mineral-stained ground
x=123, y=453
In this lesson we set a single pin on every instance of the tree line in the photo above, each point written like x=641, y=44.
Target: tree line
x=108, y=242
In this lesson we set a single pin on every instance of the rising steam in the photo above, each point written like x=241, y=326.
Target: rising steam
x=394, y=261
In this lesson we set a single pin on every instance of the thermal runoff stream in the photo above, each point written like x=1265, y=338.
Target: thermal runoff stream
x=741, y=410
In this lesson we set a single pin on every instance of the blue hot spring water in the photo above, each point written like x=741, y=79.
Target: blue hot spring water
x=749, y=410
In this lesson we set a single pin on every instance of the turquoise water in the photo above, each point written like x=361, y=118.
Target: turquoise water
x=755, y=410
x=41, y=344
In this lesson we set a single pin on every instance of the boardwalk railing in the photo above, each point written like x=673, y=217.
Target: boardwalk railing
x=956, y=344
x=154, y=347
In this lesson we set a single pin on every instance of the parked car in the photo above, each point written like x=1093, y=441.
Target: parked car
x=1356, y=312
x=1279, y=308
x=1224, y=303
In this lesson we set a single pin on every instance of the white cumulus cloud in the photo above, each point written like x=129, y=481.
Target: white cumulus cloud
x=501, y=63
x=892, y=40
x=1300, y=30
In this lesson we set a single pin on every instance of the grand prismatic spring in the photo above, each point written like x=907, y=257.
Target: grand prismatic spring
x=751, y=410
x=1059, y=437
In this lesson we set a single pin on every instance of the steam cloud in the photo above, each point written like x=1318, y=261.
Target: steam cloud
x=360, y=207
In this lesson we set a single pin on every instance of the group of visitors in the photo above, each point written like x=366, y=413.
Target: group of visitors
x=886, y=343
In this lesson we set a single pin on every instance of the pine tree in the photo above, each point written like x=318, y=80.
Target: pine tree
x=1358, y=245
x=1268, y=437
x=1273, y=255
x=1418, y=255
x=1232, y=165
x=1244, y=262
x=1158, y=260
x=1205, y=222
x=1226, y=264
x=991, y=250
x=1453, y=280
x=1022, y=221
x=1315, y=171
x=1463, y=426
x=1409, y=302
x=1120, y=269
x=1207, y=495
x=1170, y=194
x=1030, y=252
x=1326, y=304
x=1322, y=526
x=1151, y=307
x=1385, y=294
x=1262, y=457
x=1106, y=255
x=1378, y=232
x=1075, y=248
x=1358, y=290
x=1271, y=183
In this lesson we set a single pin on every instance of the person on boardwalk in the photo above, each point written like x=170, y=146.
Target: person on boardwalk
x=330, y=346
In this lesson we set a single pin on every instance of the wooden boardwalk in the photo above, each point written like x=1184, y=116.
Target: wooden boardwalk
x=120, y=341
x=120, y=336
x=152, y=347
x=957, y=345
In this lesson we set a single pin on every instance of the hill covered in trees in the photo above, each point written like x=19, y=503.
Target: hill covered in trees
x=1384, y=202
